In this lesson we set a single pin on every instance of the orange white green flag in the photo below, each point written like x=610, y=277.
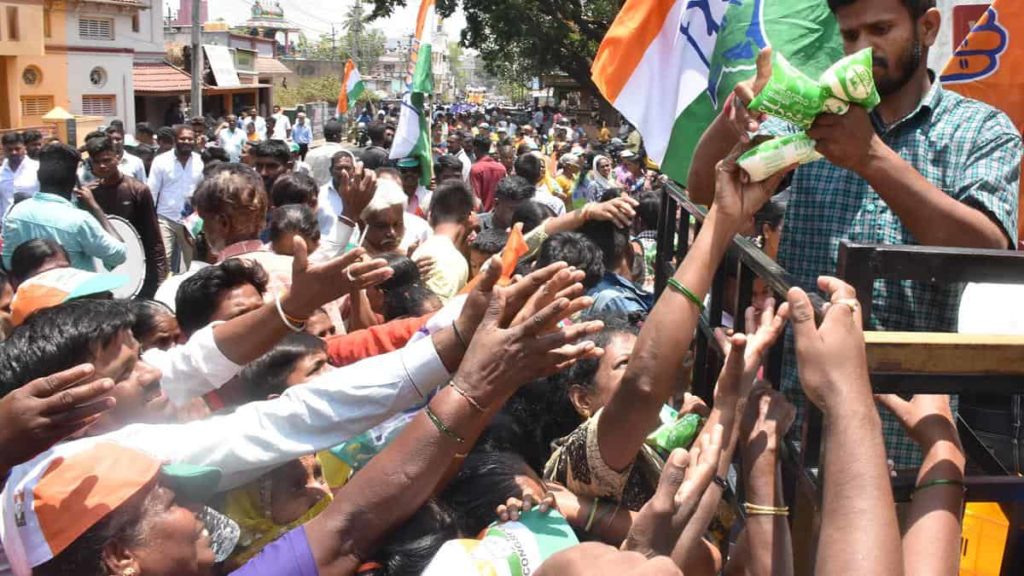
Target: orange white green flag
x=352, y=88
x=668, y=65
x=412, y=135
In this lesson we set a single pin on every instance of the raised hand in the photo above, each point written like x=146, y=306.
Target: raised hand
x=620, y=211
x=767, y=418
x=737, y=199
x=566, y=283
x=357, y=190
x=47, y=410
x=831, y=359
x=502, y=357
x=742, y=120
x=685, y=477
x=317, y=284
x=525, y=297
x=763, y=331
x=927, y=418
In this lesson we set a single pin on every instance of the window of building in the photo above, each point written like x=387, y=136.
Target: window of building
x=36, y=105
x=135, y=23
x=98, y=77
x=47, y=32
x=93, y=105
x=96, y=28
x=12, y=23
x=31, y=76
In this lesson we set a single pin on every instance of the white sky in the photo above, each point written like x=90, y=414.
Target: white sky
x=316, y=16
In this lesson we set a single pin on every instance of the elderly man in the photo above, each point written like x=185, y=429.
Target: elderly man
x=388, y=228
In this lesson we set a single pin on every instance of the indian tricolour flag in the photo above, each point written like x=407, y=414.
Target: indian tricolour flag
x=352, y=88
x=668, y=65
x=412, y=136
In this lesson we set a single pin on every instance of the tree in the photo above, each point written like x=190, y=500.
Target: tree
x=528, y=38
x=320, y=89
x=363, y=44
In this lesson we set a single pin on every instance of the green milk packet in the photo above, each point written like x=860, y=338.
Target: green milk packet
x=849, y=81
x=789, y=94
x=679, y=432
x=794, y=97
x=772, y=156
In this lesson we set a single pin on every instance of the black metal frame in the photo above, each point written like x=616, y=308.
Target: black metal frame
x=860, y=265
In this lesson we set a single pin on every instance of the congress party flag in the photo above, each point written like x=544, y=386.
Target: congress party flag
x=352, y=88
x=668, y=65
x=412, y=136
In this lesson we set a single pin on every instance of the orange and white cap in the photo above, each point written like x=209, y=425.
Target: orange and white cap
x=50, y=502
x=56, y=286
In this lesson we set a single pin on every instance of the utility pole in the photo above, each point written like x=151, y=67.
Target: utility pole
x=334, y=43
x=197, y=60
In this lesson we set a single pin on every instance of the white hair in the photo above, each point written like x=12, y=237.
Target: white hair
x=388, y=194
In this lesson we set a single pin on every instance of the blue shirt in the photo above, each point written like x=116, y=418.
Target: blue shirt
x=53, y=217
x=616, y=294
x=301, y=134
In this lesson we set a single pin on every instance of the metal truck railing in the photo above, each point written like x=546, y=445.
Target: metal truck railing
x=898, y=362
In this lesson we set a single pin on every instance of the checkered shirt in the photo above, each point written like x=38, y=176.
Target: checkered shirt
x=969, y=150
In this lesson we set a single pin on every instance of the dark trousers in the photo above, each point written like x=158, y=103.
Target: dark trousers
x=303, y=149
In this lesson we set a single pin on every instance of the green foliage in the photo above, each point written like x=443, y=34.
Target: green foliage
x=521, y=39
x=355, y=39
x=324, y=88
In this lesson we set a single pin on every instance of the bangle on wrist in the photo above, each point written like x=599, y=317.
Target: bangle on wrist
x=476, y=405
x=346, y=221
x=757, y=510
x=678, y=287
x=293, y=324
x=442, y=427
x=939, y=482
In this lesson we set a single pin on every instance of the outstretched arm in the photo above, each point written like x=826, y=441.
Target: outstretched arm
x=859, y=533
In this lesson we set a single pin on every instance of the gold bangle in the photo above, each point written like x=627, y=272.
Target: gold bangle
x=756, y=510
x=476, y=405
x=442, y=428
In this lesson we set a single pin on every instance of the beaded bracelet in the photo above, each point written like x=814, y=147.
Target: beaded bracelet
x=686, y=292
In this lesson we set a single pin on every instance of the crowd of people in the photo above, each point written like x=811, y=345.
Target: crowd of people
x=332, y=367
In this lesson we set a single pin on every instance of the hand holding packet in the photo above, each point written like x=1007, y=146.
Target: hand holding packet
x=794, y=97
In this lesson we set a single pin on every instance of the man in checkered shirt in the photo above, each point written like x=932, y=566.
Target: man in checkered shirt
x=927, y=166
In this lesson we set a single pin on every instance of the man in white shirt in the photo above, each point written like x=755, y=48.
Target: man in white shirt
x=455, y=225
x=329, y=202
x=282, y=126
x=456, y=148
x=231, y=138
x=173, y=179
x=18, y=179
x=419, y=195
x=319, y=158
